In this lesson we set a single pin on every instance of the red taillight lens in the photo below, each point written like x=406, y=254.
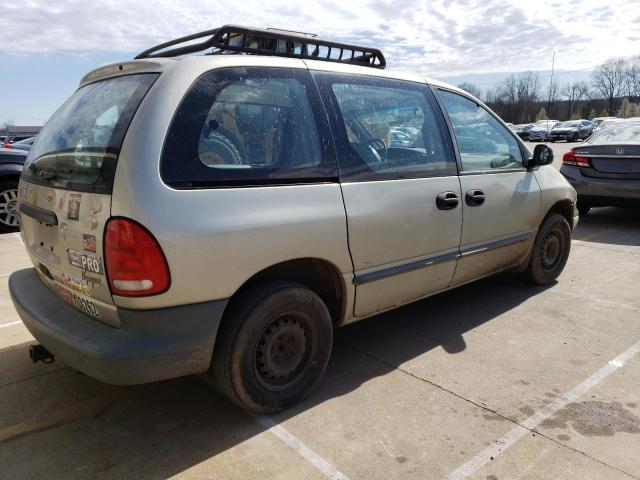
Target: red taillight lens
x=570, y=158
x=135, y=263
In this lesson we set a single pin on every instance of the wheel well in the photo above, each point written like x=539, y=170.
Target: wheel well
x=564, y=208
x=318, y=275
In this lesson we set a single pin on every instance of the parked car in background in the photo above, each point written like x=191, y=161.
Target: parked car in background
x=540, y=130
x=11, y=162
x=522, y=130
x=15, y=138
x=605, y=170
x=571, y=131
x=248, y=267
x=25, y=144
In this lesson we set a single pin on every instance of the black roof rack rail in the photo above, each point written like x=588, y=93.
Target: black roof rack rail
x=234, y=39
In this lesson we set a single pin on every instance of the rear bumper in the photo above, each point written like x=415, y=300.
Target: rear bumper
x=602, y=191
x=151, y=345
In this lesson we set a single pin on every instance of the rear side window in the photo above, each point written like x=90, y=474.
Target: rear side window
x=78, y=148
x=248, y=126
x=484, y=143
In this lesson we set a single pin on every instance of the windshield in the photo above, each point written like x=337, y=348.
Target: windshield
x=618, y=132
x=78, y=147
x=565, y=125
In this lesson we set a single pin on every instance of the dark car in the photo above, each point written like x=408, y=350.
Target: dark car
x=571, y=131
x=11, y=162
x=25, y=144
x=522, y=130
x=605, y=170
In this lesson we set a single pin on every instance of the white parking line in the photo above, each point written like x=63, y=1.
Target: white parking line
x=3, y=325
x=485, y=456
x=329, y=470
x=294, y=442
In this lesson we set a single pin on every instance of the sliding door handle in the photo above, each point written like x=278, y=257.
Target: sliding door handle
x=474, y=198
x=447, y=200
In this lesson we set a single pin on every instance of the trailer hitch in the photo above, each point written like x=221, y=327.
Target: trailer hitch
x=38, y=353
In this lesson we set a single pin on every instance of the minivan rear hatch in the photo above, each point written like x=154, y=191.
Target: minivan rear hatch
x=65, y=190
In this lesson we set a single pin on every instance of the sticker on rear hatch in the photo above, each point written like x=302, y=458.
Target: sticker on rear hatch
x=96, y=208
x=75, y=284
x=89, y=242
x=73, y=208
x=87, y=262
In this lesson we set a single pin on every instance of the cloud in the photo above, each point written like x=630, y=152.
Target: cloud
x=435, y=38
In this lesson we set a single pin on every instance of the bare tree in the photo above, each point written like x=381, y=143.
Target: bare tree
x=609, y=79
x=6, y=125
x=471, y=88
x=527, y=91
x=633, y=80
x=574, y=93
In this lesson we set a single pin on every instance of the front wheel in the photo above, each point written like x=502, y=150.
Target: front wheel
x=550, y=251
x=273, y=347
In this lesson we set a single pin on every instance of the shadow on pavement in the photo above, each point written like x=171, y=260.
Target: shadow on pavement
x=609, y=225
x=84, y=429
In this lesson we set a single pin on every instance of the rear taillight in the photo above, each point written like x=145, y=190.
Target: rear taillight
x=135, y=263
x=570, y=158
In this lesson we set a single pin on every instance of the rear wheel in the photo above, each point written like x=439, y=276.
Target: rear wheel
x=550, y=251
x=274, y=346
x=575, y=137
x=9, y=220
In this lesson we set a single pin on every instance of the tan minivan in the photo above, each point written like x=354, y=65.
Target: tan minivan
x=225, y=212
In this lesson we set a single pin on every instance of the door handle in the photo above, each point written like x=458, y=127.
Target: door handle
x=447, y=200
x=474, y=198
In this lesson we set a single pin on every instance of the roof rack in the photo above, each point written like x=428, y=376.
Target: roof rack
x=234, y=39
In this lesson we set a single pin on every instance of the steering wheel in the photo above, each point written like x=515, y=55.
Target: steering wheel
x=380, y=148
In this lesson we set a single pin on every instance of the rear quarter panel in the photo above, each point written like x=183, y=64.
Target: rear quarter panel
x=216, y=239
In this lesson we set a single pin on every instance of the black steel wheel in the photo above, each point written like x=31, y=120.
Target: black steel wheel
x=273, y=346
x=550, y=250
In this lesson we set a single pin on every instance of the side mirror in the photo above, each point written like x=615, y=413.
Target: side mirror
x=542, y=155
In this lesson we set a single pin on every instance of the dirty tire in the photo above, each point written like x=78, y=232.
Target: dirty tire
x=550, y=251
x=274, y=346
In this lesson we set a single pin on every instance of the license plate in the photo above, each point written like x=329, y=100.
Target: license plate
x=86, y=306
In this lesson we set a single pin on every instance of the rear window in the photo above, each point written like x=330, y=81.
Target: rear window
x=78, y=148
x=618, y=132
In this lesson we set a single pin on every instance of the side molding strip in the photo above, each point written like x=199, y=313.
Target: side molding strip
x=408, y=267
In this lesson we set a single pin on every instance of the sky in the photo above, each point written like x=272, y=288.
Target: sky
x=47, y=46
